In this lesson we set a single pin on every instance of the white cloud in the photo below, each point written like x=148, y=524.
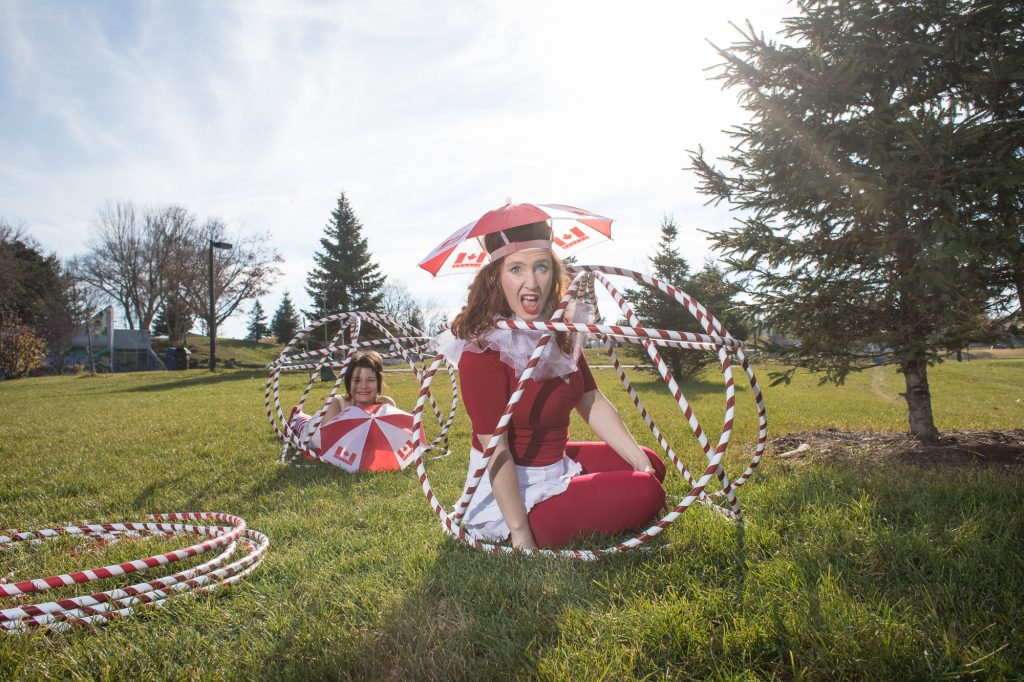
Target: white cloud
x=426, y=114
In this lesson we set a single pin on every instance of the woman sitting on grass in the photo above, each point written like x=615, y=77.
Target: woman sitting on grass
x=541, y=490
x=364, y=380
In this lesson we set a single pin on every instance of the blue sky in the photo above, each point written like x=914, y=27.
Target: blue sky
x=427, y=114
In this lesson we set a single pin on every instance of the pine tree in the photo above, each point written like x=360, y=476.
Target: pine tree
x=657, y=310
x=345, y=278
x=712, y=288
x=257, y=322
x=286, y=321
x=709, y=287
x=30, y=281
x=883, y=143
x=668, y=265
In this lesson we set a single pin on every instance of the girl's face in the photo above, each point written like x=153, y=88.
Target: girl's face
x=364, y=386
x=526, y=279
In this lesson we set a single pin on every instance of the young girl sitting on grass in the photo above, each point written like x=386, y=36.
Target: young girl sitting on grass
x=364, y=380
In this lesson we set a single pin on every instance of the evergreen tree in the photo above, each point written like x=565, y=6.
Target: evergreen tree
x=257, y=328
x=709, y=287
x=345, y=278
x=668, y=264
x=656, y=309
x=869, y=180
x=32, y=286
x=285, y=323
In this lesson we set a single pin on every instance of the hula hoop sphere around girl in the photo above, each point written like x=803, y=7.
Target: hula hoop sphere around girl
x=522, y=374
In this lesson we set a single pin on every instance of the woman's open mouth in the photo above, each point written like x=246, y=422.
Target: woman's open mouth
x=530, y=304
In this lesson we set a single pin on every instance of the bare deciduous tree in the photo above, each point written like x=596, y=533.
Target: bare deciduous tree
x=125, y=261
x=242, y=273
x=182, y=265
x=155, y=260
x=397, y=301
x=424, y=314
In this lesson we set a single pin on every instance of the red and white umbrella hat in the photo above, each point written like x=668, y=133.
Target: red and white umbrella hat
x=365, y=441
x=572, y=228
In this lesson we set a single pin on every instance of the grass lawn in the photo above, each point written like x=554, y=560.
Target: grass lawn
x=244, y=351
x=839, y=571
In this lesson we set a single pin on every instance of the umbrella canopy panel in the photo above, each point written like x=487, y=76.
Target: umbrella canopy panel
x=378, y=439
x=573, y=229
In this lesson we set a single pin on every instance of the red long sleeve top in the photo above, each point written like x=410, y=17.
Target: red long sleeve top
x=539, y=428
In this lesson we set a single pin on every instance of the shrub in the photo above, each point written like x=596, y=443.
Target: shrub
x=21, y=350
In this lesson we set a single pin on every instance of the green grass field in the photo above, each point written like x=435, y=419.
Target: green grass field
x=243, y=351
x=839, y=571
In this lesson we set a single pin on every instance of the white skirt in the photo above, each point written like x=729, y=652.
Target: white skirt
x=483, y=518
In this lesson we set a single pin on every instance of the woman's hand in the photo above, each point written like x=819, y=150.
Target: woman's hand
x=523, y=539
x=505, y=485
x=604, y=419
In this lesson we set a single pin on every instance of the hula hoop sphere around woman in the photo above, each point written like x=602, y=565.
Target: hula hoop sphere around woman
x=542, y=490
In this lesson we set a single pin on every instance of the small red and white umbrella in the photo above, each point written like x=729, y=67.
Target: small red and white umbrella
x=574, y=229
x=378, y=439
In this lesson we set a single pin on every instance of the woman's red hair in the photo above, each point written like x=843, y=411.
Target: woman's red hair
x=486, y=301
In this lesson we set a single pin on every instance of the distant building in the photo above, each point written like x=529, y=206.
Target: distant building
x=117, y=350
x=781, y=339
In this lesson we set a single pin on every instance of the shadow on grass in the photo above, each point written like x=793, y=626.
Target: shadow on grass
x=195, y=379
x=647, y=382
x=474, y=615
x=291, y=477
x=478, y=616
x=145, y=497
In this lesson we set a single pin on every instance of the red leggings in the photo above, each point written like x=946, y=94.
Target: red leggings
x=607, y=498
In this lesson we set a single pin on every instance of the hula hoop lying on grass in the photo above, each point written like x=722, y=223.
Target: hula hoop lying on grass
x=716, y=339
x=397, y=340
x=101, y=607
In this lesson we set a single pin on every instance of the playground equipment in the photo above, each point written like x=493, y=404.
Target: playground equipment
x=100, y=607
x=716, y=339
x=395, y=339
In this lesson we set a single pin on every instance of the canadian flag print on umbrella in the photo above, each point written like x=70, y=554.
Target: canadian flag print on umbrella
x=572, y=228
x=378, y=439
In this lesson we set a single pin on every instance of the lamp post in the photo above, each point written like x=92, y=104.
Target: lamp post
x=213, y=303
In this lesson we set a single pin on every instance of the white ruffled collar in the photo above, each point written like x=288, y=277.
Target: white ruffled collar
x=515, y=347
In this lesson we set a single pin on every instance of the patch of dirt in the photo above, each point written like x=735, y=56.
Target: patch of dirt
x=955, y=448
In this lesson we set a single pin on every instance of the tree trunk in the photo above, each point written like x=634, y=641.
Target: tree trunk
x=919, y=400
x=1008, y=208
x=1018, y=282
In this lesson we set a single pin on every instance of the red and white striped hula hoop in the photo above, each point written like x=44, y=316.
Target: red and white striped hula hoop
x=713, y=326
x=100, y=607
x=716, y=339
x=398, y=340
